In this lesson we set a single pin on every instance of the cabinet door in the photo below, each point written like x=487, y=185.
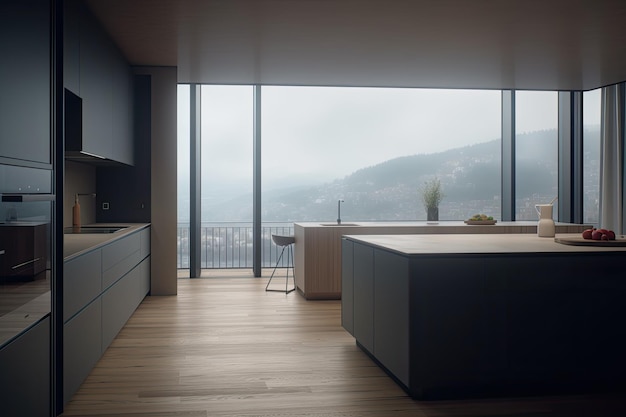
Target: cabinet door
x=82, y=347
x=122, y=114
x=71, y=46
x=82, y=282
x=25, y=376
x=95, y=87
x=25, y=80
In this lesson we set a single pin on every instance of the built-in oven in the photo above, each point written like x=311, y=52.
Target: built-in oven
x=26, y=207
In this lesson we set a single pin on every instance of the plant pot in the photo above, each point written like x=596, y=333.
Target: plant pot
x=432, y=214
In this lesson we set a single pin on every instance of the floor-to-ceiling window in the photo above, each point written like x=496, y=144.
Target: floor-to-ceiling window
x=536, y=151
x=183, y=176
x=371, y=147
x=591, y=156
x=226, y=180
x=374, y=148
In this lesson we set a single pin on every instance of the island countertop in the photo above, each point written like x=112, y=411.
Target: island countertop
x=438, y=244
x=318, y=245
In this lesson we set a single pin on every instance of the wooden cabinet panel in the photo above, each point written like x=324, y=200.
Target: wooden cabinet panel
x=25, y=80
x=82, y=282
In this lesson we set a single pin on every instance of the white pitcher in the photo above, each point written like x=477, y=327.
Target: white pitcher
x=545, y=227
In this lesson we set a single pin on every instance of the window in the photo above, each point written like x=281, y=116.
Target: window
x=374, y=148
x=536, y=151
x=591, y=156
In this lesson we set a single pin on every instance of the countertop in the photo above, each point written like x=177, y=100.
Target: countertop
x=436, y=227
x=453, y=244
x=77, y=244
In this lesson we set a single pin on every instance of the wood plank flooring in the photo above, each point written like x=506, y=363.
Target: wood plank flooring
x=225, y=347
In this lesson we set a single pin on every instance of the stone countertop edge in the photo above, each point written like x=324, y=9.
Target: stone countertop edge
x=79, y=244
x=443, y=245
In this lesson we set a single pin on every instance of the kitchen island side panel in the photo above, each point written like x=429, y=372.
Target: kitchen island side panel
x=391, y=312
x=364, y=296
x=347, y=285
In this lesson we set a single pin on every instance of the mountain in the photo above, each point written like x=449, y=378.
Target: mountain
x=470, y=177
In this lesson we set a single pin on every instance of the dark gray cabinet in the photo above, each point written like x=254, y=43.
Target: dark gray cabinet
x=25, y=375
x=102, y=289
x=97, y=72
x=25, y=81
x=448, y=325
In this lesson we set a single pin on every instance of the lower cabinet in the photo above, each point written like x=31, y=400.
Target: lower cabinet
x=102, y=290
x=25, y=373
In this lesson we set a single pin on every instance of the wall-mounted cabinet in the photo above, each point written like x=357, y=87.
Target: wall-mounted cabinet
x=25, y=82
x=97, y=72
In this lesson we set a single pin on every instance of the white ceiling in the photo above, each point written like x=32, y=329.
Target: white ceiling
x=500, y=44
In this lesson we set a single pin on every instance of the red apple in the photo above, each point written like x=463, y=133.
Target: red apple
x=596, y=235
x=611, y=235
x=604, y=236
x=587, y=233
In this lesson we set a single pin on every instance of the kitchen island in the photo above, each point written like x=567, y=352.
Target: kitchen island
x=450, y=316
x=318, y=246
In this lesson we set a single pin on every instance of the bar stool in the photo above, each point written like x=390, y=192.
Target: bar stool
x=286, y=242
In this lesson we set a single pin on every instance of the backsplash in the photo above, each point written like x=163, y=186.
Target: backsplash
x=79, y=179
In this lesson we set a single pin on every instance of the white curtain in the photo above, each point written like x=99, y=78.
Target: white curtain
x=612, y=158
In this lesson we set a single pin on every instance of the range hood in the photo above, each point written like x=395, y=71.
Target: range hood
x=74, y=133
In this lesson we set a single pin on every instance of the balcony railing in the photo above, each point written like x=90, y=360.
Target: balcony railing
x=227, y=245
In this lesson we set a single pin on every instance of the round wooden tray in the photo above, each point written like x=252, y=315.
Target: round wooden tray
x=580, y=241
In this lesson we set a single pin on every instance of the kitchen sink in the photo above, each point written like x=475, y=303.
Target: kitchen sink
x=92, y=230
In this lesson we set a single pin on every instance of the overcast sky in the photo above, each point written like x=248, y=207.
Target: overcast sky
x=317, y=134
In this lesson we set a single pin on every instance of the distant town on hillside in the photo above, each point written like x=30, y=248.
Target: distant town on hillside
x=389, y=191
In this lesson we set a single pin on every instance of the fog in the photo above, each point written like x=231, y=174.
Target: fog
x=317, y=134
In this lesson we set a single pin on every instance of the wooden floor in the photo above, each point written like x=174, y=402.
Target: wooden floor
x=225, y=347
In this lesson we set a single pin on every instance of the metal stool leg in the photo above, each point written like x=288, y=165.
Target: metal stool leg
x=289, y=265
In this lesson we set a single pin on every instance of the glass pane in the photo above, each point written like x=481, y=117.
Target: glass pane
x=226, y=167
x=536, y=151
x=374, y=148
x=25, y=265
x=183, y=176
x=592, y=109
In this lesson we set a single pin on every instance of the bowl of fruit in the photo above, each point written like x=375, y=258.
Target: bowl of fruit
x=593, y=237
x=480, y=219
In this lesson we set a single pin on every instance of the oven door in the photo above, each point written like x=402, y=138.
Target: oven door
x=25, y=262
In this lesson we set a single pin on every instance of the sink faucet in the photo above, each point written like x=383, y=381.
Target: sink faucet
x=339, y=211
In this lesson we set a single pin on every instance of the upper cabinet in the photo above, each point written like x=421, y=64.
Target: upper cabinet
x=97, y=72
x=25, y=34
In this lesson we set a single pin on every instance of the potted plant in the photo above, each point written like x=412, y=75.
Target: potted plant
x=432, y=196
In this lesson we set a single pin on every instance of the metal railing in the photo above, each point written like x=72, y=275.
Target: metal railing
x=227, y=245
